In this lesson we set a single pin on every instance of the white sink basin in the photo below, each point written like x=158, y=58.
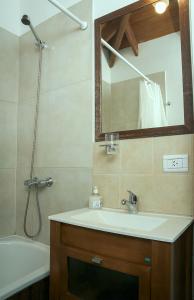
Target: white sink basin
x=120, y=220
x=166, y=228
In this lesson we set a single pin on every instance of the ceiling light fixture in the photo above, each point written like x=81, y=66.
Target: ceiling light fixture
x=161, y=6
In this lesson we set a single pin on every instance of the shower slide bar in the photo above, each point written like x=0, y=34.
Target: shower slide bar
x=108, y=46
x=83, y=24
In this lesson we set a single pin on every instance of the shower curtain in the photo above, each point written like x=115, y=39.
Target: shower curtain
x=151, y=106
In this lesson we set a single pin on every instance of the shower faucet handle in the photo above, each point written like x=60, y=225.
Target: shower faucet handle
x=35, y=181
x=45, y=182
x=30, y=182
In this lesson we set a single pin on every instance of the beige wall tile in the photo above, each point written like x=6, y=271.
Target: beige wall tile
x=103, y=163
x=67, y=60
x=7, y=225
x=124, y=113
x=160, y=194
x=21, y=199
x=7, y=201
x=69, y=56
x=157, y=191
x=137, y=156
x=108, y=186
x=173, y=194
x=71, y=190
x=74, y=57
x=59, y=144
x=29, y=55
x=26, y=112
x=9, y=66
x=65, y=131
x=9, y=85
x=84, y=10
x=192, y=158
x=178, y=144
x=8, y=134
x=106, y=104
x=141, y=185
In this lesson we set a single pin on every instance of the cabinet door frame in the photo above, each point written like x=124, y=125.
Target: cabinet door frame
x=141, y=271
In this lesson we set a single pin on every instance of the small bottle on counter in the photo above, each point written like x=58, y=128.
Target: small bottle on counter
x=95, y=200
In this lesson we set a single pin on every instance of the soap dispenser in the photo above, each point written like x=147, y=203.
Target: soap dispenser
x=95, y=200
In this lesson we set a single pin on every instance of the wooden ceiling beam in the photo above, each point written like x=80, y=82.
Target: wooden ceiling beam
x=118, y=39
x=109, y=30
x=131, y=39
x=108, y=34
x=145, y=24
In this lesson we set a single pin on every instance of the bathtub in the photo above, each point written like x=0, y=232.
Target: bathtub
x=22, y=263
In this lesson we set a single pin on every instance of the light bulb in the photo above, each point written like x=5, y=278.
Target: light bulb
x=161, y=6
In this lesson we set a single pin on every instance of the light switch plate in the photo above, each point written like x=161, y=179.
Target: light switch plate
x=175, y=163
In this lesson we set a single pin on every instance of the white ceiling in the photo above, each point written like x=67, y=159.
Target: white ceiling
x=39, y=11
x=9, y=15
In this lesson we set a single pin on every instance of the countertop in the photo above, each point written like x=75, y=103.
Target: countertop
x=169, y=231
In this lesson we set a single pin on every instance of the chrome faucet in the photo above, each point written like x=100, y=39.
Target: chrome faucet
x=131, y=203
x=40, y=183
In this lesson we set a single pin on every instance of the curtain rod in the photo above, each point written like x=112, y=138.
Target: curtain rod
x=83, y=24
x=108, y=46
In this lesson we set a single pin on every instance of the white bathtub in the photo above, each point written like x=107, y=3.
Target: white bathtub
x=22, y=263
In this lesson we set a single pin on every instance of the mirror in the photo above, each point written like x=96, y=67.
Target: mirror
x=143, y=71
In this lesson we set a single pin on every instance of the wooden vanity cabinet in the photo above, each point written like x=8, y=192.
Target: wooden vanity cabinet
x=163, y=269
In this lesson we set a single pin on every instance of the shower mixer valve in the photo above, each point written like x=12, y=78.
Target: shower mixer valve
x=40, y=183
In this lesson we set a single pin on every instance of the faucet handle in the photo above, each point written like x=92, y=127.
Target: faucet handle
x=132, y=197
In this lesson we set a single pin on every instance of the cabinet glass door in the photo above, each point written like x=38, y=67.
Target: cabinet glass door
x=91, y=282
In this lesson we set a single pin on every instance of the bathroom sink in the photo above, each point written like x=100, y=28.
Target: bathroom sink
x=160, y=227
x=120, y=220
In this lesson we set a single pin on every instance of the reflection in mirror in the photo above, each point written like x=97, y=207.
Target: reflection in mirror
x=151, y=43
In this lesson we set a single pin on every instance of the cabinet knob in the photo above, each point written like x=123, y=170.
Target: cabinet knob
x=97, y=260
x=147, y=260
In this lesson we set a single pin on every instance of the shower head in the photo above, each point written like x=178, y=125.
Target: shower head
x=25, y=20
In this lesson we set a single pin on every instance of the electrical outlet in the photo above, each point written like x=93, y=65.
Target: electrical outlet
x=175, y=163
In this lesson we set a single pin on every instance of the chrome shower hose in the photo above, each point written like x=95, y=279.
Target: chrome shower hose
x=40, y=49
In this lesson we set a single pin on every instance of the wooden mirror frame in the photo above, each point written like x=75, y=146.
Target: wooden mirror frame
x=186, y=72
